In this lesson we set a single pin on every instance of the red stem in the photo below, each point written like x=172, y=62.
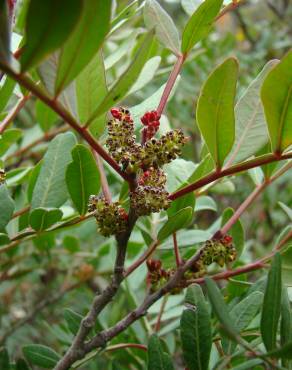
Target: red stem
x=12, y=114
x=215, y=175
x=67, y=117
x=142, y=259
x=127, y=345
x=104, y=184
x=170, y=83
x=176, y=250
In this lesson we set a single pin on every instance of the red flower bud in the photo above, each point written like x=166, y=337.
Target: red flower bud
x=116, y=113
x=227, y=239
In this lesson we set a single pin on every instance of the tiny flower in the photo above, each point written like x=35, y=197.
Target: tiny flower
x=111, y=218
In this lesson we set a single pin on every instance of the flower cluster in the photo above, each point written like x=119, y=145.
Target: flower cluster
x=2, y=176
x=220, y=251
x=151, y=122
x=157, y=276
x=144, y=160
x=111, y=218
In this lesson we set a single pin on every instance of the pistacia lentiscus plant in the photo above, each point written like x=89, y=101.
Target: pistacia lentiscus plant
x=144, y=196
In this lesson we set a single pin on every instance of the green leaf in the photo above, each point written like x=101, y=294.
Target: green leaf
x=6, y=206
x=236, y=231
x=21, y=364
x=4, y=359
x=45, y=116
x=215, y=110
x=249, y=364
x=50, y=188
x=82, y=177
x=91, y=88
x=196, y=332
x=33, y=179
x=6, y=92
x=157, y=359
x=8, y=138
x=205, y=203
x=4, y=32
x=80, y=48
x=243, y=313
x=200, y=23
x=127, y=80
x=276, y=96
x=220, y=308
x=251, y=132
x=48, y=74
x=272, y=304
x=287, y=266
x=4, y=238
x=202, y=169
x=73, y=320
x=286, y=318
x=40, y=355
x=125, y=14
x=42, y=218
x=48, y=25
x=188, y=200
x=286, y=209
x=155, y=17
x=283, y=352
x=146, y=75
x=178, y=221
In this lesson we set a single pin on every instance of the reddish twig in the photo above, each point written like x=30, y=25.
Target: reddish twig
x=21, y=212
x=215, y=175
x=142, y=259
x=46, y=137
x=13, y=113
x=170, y=83
x=104, y=184
x=162, y=307
x=56, y=106
x=127, y=345
x=176, y=250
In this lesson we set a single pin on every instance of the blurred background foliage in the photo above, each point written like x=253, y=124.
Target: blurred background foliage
x=77, y=257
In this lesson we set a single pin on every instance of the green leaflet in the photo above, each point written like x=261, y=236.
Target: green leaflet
x=215, y=110
x=178, y=221
x=82, y=177
x=276, y=96
x=127, y=79
x=42, y=218
x=6, y=206
x=272, y=304
x=200, y=23
x=40, y=355
x=195, y=327
x=156, y=17
x=157, y=359
x=48, y=25
x=78, y=51
x=50, y=188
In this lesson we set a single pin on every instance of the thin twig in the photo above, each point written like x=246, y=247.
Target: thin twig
x=77, y=348
x=176, y=250
x=104, y=184
x=142, y=259
x=46, y=137
x=215, y=175
x=126, y=345
x=21, y=212
x=13, y=113
x=162, y=307
x=56, y=106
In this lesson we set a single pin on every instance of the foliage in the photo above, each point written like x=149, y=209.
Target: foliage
x=145, y=211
